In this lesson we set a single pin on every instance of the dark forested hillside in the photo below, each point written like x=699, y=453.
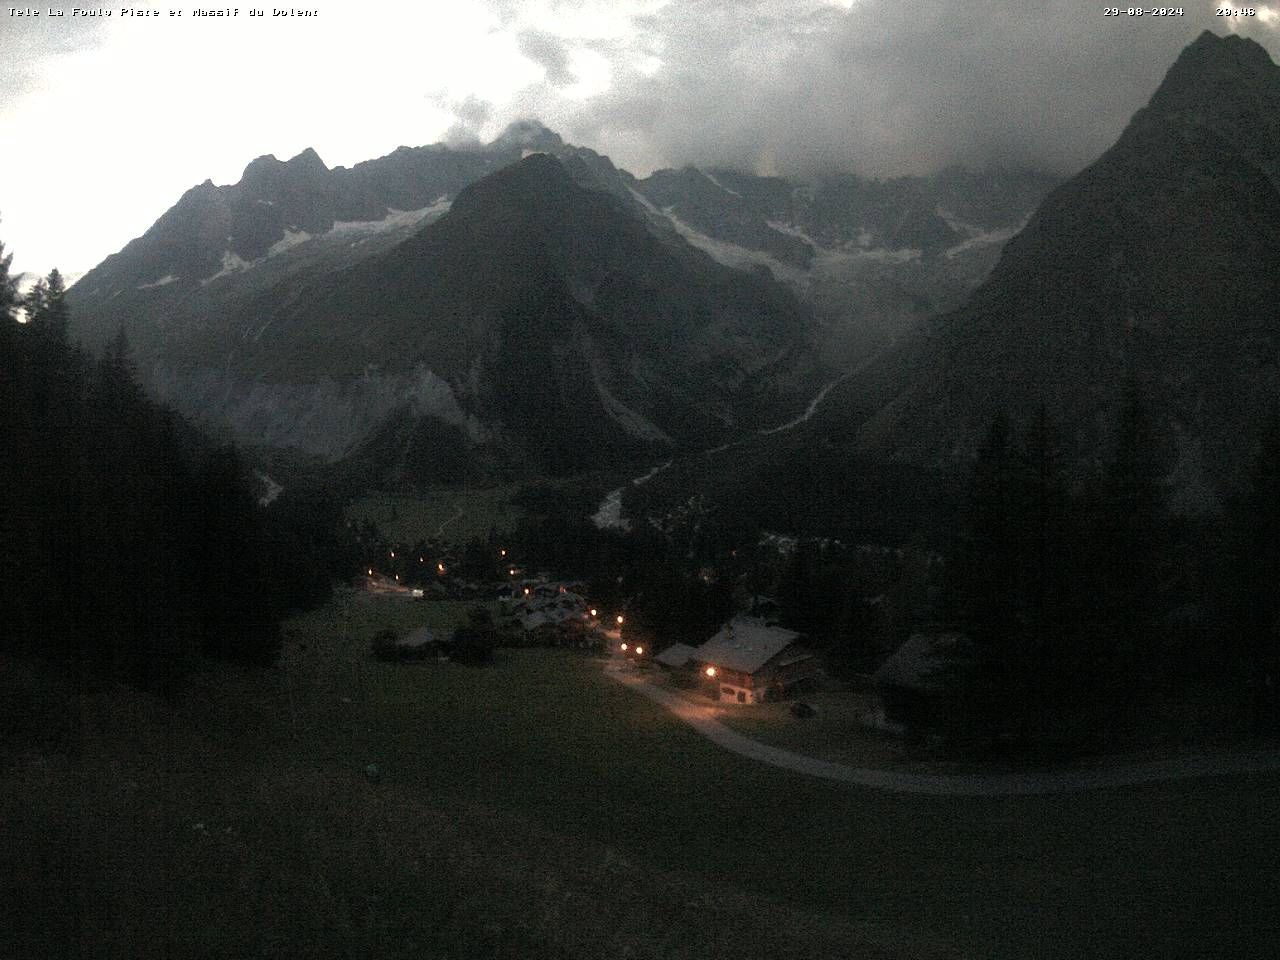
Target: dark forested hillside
x=127, y=536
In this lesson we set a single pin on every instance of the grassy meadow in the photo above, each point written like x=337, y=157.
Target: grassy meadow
x=535, y=808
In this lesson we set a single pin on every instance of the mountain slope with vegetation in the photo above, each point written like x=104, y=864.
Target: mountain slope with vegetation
x=230, y=300
x=131, y=541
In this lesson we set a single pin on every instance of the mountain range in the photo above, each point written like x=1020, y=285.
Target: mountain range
x=525, y=304
x=1153, y=273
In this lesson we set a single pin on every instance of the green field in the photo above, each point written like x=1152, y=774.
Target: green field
x=536, y=809
x=453, y=515
x=837, y=733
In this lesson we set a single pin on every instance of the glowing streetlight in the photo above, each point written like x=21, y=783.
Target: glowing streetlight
x=393, y=553
x=440, y=567
x=711, y=671
x=593, y=611
x=502, y=553
x=639, y=651
x=619, y=619
x=371, y=571
x=624, y=648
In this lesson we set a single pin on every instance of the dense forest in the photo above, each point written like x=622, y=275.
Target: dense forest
x=1093, y=615
x=1093, y=612
x=131, y=541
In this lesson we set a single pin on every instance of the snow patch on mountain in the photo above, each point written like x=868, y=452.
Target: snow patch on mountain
x=645, y=202
x=984, y=239
x=852, y=253
x=162, y=282
x=719, y=184
x=975, y=236
x=858, y=249
x=792, y=231
x=231, y=263
x=395, y=219
x=291, y=238
x=733, y=255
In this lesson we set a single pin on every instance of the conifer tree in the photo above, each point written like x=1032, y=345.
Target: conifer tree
x=1255, y=590
x=55, y=307
x=1134, y=532
x=8, y=287
x=35, y=301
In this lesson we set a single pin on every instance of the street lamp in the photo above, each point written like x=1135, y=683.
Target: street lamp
x=711, y=671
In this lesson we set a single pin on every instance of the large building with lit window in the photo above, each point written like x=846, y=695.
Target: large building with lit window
x=751, y=661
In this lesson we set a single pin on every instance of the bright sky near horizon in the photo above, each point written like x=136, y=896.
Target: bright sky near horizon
x=106, y=120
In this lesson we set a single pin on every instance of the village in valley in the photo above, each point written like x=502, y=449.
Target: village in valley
x=747, y=658
x=817, y=495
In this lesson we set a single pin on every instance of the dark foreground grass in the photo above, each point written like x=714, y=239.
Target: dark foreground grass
x=536, y=809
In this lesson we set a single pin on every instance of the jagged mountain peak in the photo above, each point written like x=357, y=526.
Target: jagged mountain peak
x=1156, y=264
x=308, y=160
x=1217, y=79
x=1211, y=54
x=529, y=134
x=545, y=188
x=529, y=174
x=268, y=161
x=267, y=168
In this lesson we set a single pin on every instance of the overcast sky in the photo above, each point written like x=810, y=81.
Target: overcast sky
x=104, y=122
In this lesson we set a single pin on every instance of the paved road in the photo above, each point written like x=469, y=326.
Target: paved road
x=702, y=719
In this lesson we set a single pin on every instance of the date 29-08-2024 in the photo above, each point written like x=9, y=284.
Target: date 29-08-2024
x=1174, y=12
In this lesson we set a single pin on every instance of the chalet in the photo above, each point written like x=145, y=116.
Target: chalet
x=678, y=656
x=750, y=661
x=532, y=590
x=912, y=682
x=548, y=607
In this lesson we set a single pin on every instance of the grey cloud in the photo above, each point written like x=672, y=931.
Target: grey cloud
x=887, y=88
x=550, y=53
x=473, y=111
x=30, y=45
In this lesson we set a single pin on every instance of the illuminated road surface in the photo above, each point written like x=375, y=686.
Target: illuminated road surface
x=702, y=719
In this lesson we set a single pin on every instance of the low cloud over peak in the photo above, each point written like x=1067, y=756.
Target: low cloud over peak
x=887, y=88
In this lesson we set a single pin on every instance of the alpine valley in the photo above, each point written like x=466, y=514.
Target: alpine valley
x=1152, y=276
x=525, y=308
